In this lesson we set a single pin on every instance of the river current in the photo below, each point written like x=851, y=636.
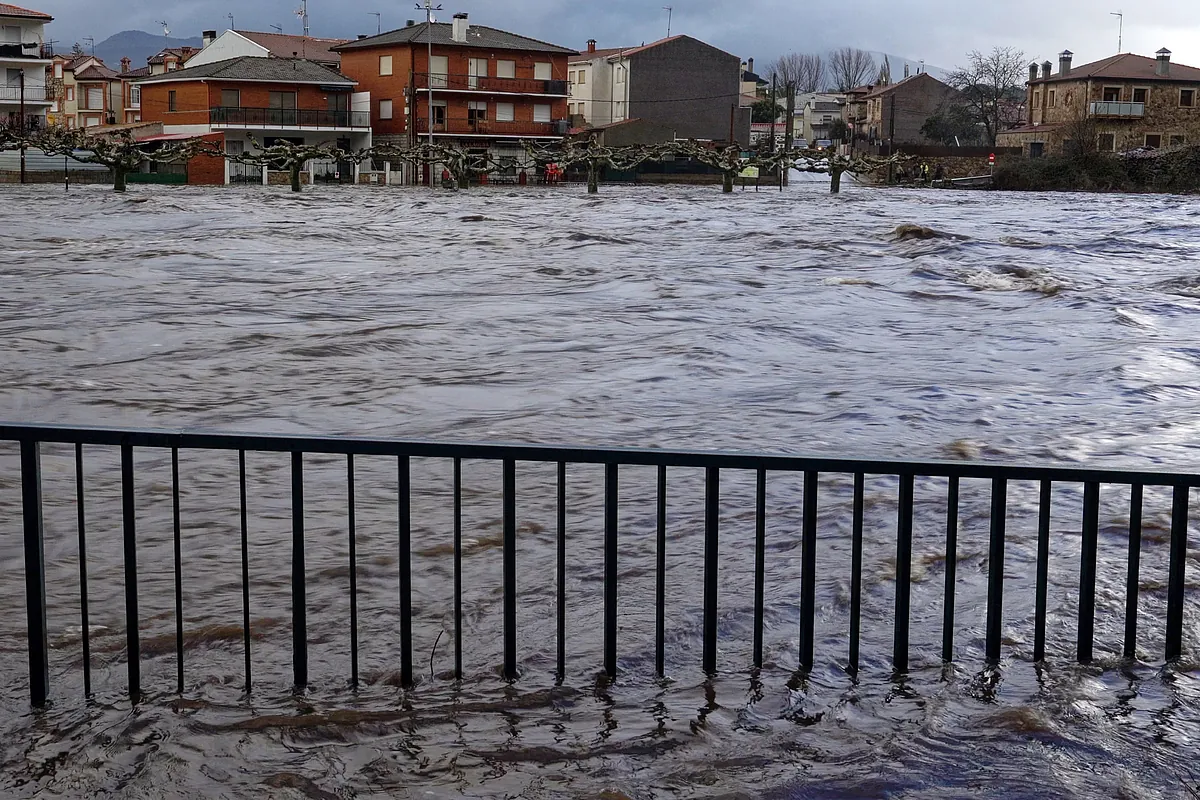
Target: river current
x=1041, y=329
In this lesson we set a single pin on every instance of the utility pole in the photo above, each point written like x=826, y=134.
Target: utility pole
x=1120, y=29
x=91, y=42
x=429, y=9
x=230, y=17
x=891, y=136
x=22, y=124
x=302, y=13
x=670, y=10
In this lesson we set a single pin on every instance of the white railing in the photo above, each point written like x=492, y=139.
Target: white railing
x=32, y=93
x=1113, y=109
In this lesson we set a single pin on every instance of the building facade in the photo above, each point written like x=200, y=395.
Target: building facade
x=246, y=100
x=679, y=84
x=895, y=113
x=23, y=65
x=233, y=44
x=1125, y=102
x=482, y=88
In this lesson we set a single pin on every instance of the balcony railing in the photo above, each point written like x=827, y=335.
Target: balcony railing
x=1011, y=587
x=1121, y=110
x=488, y=127
x=11, y=50
x=287, y=118
x=478, y=83
x=33, y=94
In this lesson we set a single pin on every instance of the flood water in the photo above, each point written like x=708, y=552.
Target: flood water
x=1040, y=329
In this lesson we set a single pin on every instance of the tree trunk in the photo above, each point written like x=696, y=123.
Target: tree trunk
x=727, y=182
x=295, y=170
x=464, y=180
x=789, y=125
x=593, y=177
x=835, y=181
x=118, y=179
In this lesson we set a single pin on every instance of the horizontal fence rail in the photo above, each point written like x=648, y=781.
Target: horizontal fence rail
x=761, y=467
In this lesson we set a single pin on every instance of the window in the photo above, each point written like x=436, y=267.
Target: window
x=504, y=112
x=1153, y=140
x=91, y=122
x=1187, y=98
x=619, y=110
x=1178, y=140
x=171, y=100
x=234, y=147
x=1052, y=98
x=58, y=71
x=231, y=98
x=541, y=113
x=385, y=109
x=281, y=108
x=476, y=68
x=439, y=68
x=1106, y=142
x=94, y=98
x=621, y=78
x=571, y=76
x=439, y=114
x=171, y=65
x=1139, y=95
x=506, y=69
x=541, y=71
x=1112, y=94
x=70, y=93
x=281, y=99
x=385, y=65
x=582, y=77
x=135, y=97
x=476, y=112
x=10, y=34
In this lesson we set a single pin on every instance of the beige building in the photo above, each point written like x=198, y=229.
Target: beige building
x=1126, y=101
x=896, y=112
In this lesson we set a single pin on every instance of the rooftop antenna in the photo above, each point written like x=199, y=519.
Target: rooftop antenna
x=166, y=35
x=378, y=21
x=230, y=16
x=1120, y=29
x=277, y=28
x=670, y=10
x=302, y=13
x=91, y=42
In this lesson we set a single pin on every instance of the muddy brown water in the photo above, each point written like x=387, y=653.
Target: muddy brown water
x=1042, y=329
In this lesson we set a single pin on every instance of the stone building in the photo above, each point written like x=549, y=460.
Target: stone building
x=1120, y=103
x=911, y=101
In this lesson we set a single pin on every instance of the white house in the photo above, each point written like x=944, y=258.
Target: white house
x=234, y=44
x=22, y=63
x=599, y=82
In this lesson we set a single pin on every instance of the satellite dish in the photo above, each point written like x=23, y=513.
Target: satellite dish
x=166, y=31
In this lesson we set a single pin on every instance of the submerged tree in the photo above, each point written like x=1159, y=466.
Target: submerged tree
x=286, y=156
x=120, y=152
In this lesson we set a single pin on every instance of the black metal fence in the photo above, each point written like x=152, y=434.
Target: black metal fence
x=31, y=437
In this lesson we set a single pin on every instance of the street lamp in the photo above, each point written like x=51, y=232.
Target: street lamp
x=429, y=9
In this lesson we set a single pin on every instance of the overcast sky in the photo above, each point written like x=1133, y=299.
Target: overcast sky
x=938, y=31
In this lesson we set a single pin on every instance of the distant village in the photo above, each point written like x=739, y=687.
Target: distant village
x=491, y=90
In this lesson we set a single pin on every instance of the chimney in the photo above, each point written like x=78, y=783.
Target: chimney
x=1046, y=67
x=126, y=63
x=408, y=23
x=1064, y=63
x=207, y=38
x=1033, y=71
x=1163, y=67
x=750, y=65
x=905, y=69
x=591, y=43
x=362, y=36
x=459, y=32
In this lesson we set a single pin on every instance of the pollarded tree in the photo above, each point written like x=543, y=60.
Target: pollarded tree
x=120, y=152
x=992, y=88
x=850, y=68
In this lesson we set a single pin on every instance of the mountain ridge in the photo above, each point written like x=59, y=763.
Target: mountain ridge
x=137, y=46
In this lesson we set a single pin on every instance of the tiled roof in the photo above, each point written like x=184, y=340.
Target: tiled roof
x=891, y=87
x=96, y=72
x=477, y=36
x=254, y=68
x=283, y=46
x=1126, y=67
x=140, y=72
x=184, y=53
x=645, y=47
x=7, y=10
x=601, y=53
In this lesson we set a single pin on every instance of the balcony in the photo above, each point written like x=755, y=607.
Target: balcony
x=10, y=50
x=33, y=94
x=475, y=83
x=1117, y=110
x=492, y=128
x=288, y=119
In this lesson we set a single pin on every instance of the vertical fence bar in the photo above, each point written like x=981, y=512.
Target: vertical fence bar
x=299, y=590
x=712, y=552
x=760, y=566
x=610, y=569
x=245, y=531
x=995, y=606
x=808, y=572
x=1043, y=573
x=458, y=660
x=856, y=556
x=510, y=569
x=404, y=553
x=904, y=528
x=129, y=521
x=951, y=569
x=1087, y=570
x=457, y=569
x=352, y=541
x=562, y=570
x=35, y=573
x=1176, y=574
x=177, y=536
x=660, y=587
x=1132, y=577
x=84, y=615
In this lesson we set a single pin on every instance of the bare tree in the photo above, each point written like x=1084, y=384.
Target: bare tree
x=850, y=67
x=992, y=87
x=795, y=73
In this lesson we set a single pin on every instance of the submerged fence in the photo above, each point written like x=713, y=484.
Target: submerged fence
x=31, y=437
